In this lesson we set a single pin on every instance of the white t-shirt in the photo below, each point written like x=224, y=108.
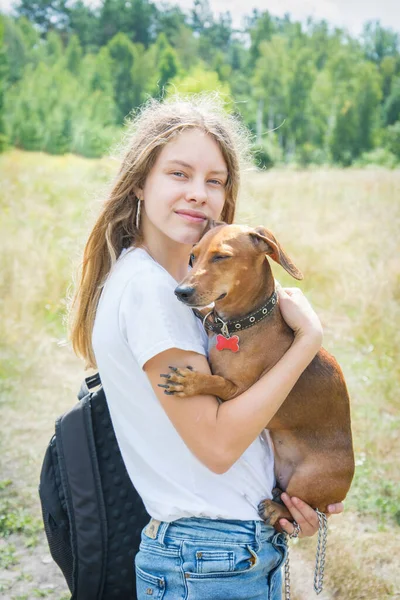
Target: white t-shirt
x=138, y=317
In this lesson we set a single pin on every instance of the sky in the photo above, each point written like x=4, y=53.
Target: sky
x=351, y=14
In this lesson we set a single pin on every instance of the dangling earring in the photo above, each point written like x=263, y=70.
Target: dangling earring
x=138, y=213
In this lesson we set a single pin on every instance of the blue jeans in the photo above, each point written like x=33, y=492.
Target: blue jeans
x=207, y=559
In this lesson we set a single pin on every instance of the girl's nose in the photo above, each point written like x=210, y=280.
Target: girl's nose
x=198, y=193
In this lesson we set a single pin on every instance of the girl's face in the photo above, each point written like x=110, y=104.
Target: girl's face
x=185, y=187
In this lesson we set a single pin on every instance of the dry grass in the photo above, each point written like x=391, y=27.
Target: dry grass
x=340, y=227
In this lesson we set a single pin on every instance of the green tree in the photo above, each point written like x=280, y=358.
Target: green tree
x=219, y=33
x=22, y=45
x=237, y=56
x=393, y=139
x=343, y=143
x=3, y=80
x=186, y=46
x=300, y=83
x=46, y=14
x=144, y=75
x=84, y=22
x=220, y=65
x=133, y=73
x=358, y=93
x=369, y=95
x=73, y=55
x=54, y=48
x=98, y=69
x=200, y=80
x=261, y=27
x=201, y=16
x=168, y=66
x=75, y=71
x=52, y=110
x=14, y=48
x=123, y=54
x=391, y=108
x=322, y=41
x=169, y=22
x=135, y=18
x=379, y=42
x=344, y=123
x=321, y=108
x=388, y=68
x=271, y=87
x=30, y=33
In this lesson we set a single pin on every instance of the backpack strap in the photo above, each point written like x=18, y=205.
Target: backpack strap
x=79, y=472
x=88, y=384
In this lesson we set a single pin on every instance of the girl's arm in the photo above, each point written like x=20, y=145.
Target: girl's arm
x=219, y=434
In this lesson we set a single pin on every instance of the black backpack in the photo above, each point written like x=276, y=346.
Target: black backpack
x=92, y=514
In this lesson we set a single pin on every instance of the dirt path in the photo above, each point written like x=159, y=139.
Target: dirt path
x=34, y=576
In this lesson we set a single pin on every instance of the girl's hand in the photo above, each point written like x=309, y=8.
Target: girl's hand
x=298, y=313
x=304, y=515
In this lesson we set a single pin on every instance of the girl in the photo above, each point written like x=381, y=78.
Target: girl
x=200, y=467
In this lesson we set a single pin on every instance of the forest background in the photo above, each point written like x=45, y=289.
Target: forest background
x=311, y=93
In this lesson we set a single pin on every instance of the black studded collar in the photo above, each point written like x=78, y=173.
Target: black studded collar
x=214, y=323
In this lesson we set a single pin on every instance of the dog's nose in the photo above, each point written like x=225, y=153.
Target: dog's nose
x=184, y=292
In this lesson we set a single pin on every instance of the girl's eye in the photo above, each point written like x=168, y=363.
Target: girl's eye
x=212, y=180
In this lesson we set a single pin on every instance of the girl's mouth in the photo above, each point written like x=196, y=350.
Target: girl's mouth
x=191, y=218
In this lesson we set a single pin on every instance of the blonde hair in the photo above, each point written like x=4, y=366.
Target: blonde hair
x=151, y=127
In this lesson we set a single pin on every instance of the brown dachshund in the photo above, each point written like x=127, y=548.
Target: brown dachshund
x=311, y=431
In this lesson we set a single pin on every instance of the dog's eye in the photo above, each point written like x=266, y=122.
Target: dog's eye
x=218, y=257
x=192, y=258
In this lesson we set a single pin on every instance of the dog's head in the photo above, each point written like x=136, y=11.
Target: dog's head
x=227, y=260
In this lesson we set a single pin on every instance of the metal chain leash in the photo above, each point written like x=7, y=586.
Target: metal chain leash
x=287, y=570
x=321, y=551
x=319, y=558
x=288, y=536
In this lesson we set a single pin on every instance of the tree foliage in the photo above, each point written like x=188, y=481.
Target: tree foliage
x=3, y=79
x=71, y=72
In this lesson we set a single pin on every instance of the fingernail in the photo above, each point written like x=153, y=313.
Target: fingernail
x=283, y=522
x=295, y=500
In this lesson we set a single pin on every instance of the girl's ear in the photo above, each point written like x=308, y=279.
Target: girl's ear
x=268, y=244
x=138, y=192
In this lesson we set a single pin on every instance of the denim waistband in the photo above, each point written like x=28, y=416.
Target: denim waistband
x=222, y=530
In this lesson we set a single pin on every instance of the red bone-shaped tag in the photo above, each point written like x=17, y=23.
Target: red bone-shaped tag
x=231, y=343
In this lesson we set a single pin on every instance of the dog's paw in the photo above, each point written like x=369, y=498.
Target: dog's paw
x=181, y=381
x=269, y=512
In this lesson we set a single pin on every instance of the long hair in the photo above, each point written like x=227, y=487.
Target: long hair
x=151, y=127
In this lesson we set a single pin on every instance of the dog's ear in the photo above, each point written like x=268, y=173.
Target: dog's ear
x=268, y=244
x=211, y=224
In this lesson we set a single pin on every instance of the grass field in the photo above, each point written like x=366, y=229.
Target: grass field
x=340, y=227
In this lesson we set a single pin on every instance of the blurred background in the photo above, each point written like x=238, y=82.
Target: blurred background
x=318, y=85
x=71, y=71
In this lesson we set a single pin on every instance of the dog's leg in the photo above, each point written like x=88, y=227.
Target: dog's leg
x=271, y=512
x=186, y=382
